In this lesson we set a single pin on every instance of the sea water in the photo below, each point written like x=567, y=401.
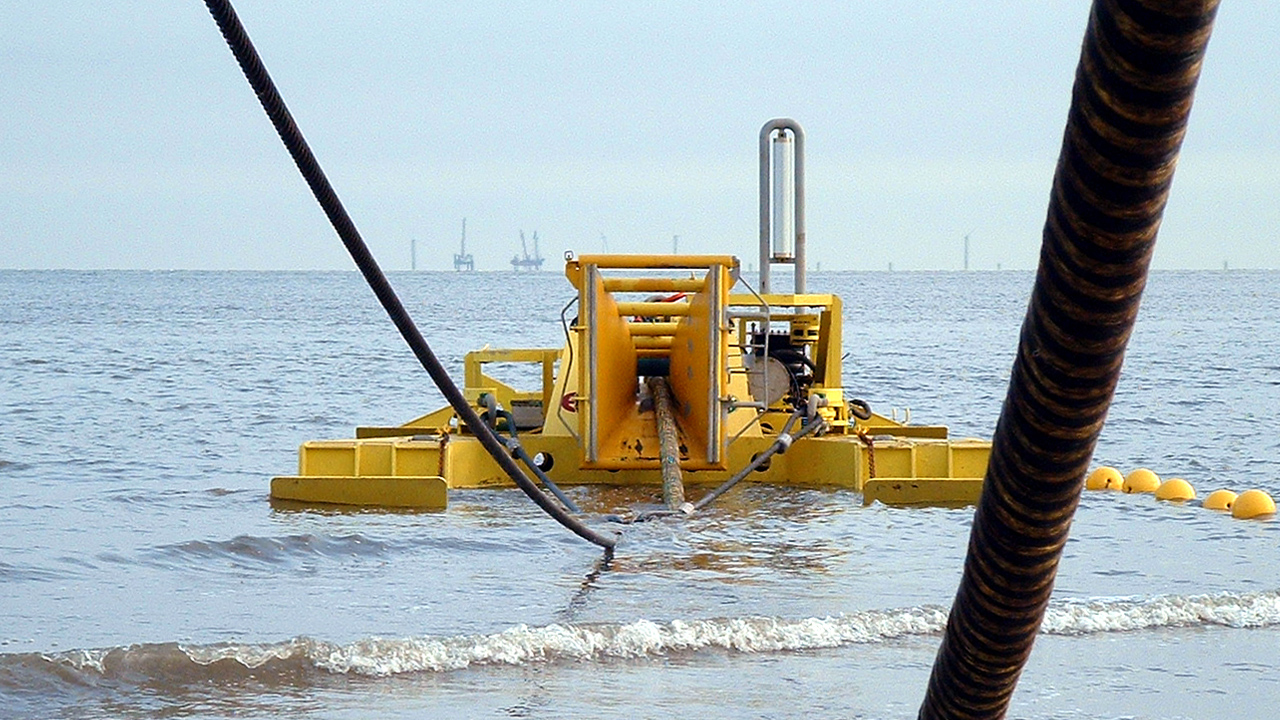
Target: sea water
x=144, y=572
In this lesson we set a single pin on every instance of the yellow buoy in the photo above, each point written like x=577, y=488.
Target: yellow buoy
x=1252, y=504
x=1141, y=480
x=1104, y=478
x=1175, y=489
x=1220, y=500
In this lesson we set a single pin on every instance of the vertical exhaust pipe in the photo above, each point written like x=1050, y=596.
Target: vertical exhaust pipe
x=777, y=219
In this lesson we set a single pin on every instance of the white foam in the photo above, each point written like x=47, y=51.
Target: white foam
x=81, y=659
x=1260, y=609
x=251, y=656
x=643, y=638
x=522, y=644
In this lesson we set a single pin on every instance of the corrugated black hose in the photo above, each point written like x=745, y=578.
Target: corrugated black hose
x=262, y=84
x=1132, y=97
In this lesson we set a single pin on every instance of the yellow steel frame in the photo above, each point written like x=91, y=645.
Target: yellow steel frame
x=596, y=433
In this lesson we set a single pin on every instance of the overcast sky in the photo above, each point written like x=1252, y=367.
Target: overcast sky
x=131, y=139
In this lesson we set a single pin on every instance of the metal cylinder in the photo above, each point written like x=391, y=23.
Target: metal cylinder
x=780, y=126
x=1132, y=97
x=783, y=205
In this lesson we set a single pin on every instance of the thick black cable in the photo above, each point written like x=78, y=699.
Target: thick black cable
x=518, y=450
x=256, y=73
x=1138, y=69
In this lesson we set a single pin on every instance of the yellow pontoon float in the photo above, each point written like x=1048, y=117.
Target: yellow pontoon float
x=674, y=372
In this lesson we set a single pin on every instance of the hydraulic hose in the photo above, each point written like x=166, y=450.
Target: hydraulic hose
x=779, y=445
x=517, y=448
x=1132, y=97
x=256, y=73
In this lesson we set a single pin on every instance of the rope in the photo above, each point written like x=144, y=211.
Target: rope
x=871, y=450
x=1138, y=70
x=254, y=71
x=444, y=443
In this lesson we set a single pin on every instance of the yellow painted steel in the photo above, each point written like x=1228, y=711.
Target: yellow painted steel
x=477, y=382
x=652, y=328
x=652, y=284
x=607, y=380
x=908, y=473
x=383, y=471
x=698, y=374
x=653, y=342
x=573, y=268
x=942, y=491
x=421, y=493
x=653, y=309
x=594, y=424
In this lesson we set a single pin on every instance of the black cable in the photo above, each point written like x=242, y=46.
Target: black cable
x=1130, y=105
x=254, y=71
x=518, y=450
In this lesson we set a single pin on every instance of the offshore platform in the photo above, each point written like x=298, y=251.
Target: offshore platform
x=463, y=260
x=527, y=262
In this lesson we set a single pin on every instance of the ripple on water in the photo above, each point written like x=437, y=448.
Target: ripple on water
x=249, y=549
x=14, y=573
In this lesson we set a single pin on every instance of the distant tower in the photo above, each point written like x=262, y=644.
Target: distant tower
x=413, y=254
x=527, y=262
x=463, y=260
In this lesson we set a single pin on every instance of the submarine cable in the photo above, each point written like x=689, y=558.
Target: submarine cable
x=256, y=73
x=780, y=445
x=668, y=443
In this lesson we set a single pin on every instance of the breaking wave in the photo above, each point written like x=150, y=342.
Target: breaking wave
x=301, y=660
x=1261, y=609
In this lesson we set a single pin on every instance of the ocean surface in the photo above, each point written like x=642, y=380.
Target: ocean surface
x=145, y=574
